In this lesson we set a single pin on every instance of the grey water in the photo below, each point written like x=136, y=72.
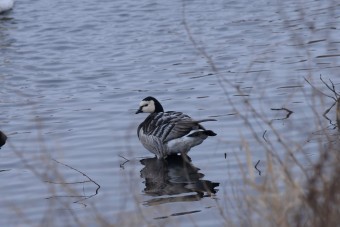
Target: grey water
x=72, y=74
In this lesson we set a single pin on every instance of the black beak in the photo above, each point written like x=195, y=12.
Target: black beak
x=139, y=111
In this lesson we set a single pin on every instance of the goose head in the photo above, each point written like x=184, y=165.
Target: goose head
x=150, y=105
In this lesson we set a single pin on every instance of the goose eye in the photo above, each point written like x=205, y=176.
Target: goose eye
x=145, y=105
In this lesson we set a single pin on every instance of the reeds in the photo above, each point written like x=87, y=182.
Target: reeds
x=294, y=188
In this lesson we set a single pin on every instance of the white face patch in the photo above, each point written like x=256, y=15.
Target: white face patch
x=147, y=106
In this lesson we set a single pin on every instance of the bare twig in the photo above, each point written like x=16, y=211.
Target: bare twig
x=85, y=197
x=289, y=112
x=336, y=97
x=330, y=88
x=263, y=135
x=257, y=168
x=84, y=174
x=318, y=89
x=327, y=111
x=122, y=164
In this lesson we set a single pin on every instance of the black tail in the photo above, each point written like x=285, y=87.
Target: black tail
x=201, y=133
x=210, y=133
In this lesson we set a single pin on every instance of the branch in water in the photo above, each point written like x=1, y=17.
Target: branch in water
x=257, y=168
x=78, y=182
x=289, y=112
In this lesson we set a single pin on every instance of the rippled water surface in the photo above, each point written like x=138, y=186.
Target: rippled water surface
x=72, y=74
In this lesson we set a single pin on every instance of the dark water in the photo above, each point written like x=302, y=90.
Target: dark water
x=72, y=74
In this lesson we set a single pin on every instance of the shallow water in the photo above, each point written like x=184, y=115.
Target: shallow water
x=72, y=76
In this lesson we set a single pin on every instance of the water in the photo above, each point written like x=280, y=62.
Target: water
x=73, y=72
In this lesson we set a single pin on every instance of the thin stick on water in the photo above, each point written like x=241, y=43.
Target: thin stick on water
x=77, y=182
x=257, y=163
x=122, y=164
x=84, y=174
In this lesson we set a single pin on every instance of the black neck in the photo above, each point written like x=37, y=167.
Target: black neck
x=158, y=106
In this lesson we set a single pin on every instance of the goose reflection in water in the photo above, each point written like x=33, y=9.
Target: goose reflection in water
x=174, y=176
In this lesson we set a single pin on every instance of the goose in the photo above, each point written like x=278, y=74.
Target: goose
x=171, y=132
x=6, y=5
x=3, y=139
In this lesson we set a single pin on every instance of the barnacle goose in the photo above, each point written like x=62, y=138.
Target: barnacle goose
x=171, y=132
x=3, y=139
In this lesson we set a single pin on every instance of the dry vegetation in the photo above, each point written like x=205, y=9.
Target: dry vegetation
x=291, y=192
